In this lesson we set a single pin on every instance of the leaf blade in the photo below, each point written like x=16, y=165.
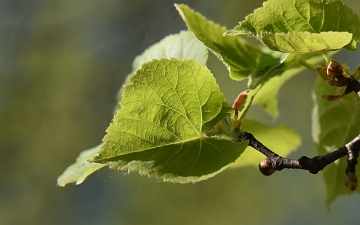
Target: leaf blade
x=81, y=169
x=334, y=124
x=168, y=106
x=282, y=16
x=241, y=58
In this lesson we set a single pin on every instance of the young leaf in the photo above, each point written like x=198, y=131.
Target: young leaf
x=278, y=23
x=241, y=58
x=334, y=124
x=159, y=130
x=77, y=172
x=282, y=139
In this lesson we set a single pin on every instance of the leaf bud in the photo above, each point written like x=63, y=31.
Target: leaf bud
x=351, y=181
x=266, y=168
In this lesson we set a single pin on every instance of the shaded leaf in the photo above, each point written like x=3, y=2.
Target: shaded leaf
x=159, y=129
x=316, y=16
x=334, y=124
x=290, y=66
x=184, y=162
x=281, y=139
x=81, y=169
x=241, y=58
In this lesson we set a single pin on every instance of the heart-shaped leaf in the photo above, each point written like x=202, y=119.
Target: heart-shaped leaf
x=159, y=130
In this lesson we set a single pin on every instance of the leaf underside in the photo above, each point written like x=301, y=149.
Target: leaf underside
x=280, y=22
x=241, y=58
x=77, y=172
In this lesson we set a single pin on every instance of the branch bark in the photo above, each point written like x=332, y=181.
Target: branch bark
x=274, y=162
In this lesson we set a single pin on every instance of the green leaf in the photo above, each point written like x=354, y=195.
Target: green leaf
x=183, y=45
x=77, y=172
x=305, y=42
x=241, y=58
x=272, y=23
x=281, y=139
x=183, y=162
x=159, y=130
x=335, y=123
x=290, y=66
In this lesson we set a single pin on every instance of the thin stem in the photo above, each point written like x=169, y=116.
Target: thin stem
x=307, y=65
x=327, y=57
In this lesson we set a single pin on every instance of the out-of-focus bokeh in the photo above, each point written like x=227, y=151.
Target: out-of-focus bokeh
x=61, y=65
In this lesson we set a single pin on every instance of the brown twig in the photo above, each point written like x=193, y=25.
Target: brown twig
x=274, y=162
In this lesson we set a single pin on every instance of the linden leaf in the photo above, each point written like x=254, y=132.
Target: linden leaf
x=267, y=94
x=335, y=123
x=241, y=58
x=159, y=130
x=81, y=169
x=183, y=45
x=281, y=23
x=306, y=42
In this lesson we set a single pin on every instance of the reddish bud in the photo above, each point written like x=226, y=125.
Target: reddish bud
x=239, y=100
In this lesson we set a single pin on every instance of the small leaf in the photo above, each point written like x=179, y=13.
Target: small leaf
x=159, y=130
x=81, y=169
x=281, y=139
x=241, y=58
x=316, y=16
x=334, y=124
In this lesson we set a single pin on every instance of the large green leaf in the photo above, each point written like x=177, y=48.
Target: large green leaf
x=334, y=124
x=241, y=58
x=77, y=172
x=281, y=139
x=159, y=130
x=298, y=24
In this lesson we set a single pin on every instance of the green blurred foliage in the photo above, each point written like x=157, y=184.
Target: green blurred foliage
x=62, y=63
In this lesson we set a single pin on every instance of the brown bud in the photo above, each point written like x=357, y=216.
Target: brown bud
x=351, y=181
x=266, y=168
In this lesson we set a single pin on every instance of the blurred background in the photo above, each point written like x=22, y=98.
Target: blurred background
x=61, y=65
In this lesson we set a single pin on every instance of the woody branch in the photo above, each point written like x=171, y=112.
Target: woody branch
x=274, y=162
